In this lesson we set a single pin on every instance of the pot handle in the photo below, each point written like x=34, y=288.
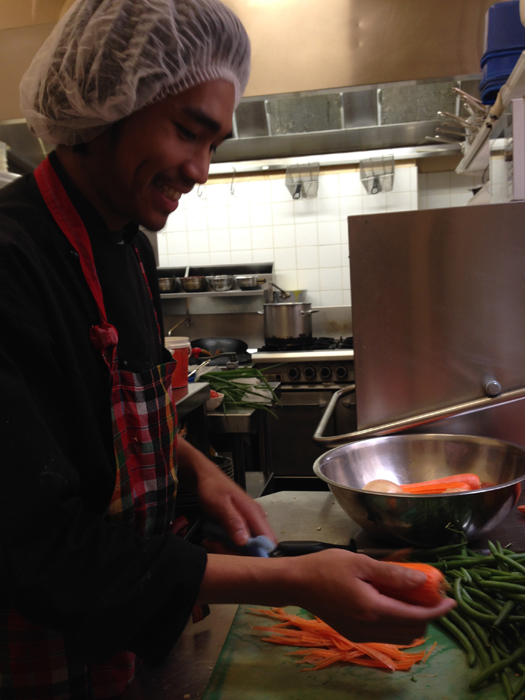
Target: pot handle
x=309, y=313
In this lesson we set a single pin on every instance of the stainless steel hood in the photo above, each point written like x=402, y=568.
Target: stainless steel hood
x=347, y=120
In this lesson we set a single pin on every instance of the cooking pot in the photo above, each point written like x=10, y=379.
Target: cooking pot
x=223, y=345
x=288, y=323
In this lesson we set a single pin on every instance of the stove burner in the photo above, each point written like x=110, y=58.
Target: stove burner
x=311, y=345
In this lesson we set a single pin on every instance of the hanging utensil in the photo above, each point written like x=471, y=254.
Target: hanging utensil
x=283, y=294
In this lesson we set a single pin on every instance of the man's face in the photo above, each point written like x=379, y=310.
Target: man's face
x=159, y=153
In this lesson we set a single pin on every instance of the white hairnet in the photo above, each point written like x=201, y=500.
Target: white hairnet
x=108, y=58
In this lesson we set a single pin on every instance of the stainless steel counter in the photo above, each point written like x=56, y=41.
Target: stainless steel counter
x=294, y=515
x=191, y=397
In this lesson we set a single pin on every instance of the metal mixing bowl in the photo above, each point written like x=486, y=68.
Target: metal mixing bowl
x=422, y=521
x=192, y=284
x=166, y=284
x=221, y=283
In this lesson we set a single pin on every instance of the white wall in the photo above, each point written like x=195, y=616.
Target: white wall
x=447, y=189
x=306, y=239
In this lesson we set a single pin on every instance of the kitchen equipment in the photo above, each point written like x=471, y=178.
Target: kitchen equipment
x=180, y=349
x=431, y=339
x=249, y=281
x=283, y=294
x=219, y=345
x=288, y=323
x=294, y=295
x=504, y=41
x=193, y=284
x=309, y=375
x=377, y=174
x=221, y=283
x=424, y=521
x=302, y=181
x=167, y=284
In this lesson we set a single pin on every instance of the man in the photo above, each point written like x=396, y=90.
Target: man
x=136, y=97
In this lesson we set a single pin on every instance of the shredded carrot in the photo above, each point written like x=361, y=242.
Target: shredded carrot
x=323, y=646
x=433, y=486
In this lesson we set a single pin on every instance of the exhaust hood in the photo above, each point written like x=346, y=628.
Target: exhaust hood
x=344, y=121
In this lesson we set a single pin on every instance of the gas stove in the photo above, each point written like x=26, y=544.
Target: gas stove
x=323, y=361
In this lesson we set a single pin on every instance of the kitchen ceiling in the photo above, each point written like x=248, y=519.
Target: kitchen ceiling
x=348, y=120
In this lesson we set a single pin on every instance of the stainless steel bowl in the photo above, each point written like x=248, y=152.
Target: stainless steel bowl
x=221, y=283
x=192, y=284
x=167, y=284
x=249, y=281
x=422, y=520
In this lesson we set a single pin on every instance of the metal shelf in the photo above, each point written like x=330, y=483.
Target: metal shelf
x=229, y=293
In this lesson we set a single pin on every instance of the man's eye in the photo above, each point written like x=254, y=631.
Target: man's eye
x=186, y=132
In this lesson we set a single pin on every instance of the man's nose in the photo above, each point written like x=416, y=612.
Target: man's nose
x=197, y=166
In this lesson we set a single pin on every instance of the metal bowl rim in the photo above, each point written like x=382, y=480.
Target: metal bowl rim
x=412, y=438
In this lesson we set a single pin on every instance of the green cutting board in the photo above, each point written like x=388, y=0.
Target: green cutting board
x=250, y=668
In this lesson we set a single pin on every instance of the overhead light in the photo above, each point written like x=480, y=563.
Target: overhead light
x=265, y=167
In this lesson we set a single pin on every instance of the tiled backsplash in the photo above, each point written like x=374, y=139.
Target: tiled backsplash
x=255, y=219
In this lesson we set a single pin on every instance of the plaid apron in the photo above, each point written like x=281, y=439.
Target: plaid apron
x=144, y=437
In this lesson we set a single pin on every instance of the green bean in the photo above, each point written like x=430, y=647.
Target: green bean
x=512, y=563
x=468, y=609
x=476, y=605
x=504, y=614
x=496, y=668
x=467, y=562
x=502, y=586
x=462, y=639
x=484, y=598
x=466, y=627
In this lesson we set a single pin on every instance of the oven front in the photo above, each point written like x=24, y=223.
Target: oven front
x=307, y=383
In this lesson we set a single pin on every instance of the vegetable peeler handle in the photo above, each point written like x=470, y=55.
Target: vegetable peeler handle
x=299, y=547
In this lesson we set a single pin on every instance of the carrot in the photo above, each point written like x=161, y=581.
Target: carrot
x=521, y=509
x=323, y=646
x=422, y=487
x=429, y=593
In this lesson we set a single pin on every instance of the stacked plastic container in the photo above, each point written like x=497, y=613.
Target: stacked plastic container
x=502, y=46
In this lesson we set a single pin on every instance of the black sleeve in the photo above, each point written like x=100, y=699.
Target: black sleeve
x=62, y=564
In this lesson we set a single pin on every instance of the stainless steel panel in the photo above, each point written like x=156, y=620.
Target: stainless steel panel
x=360, y=108
x=418, y=102
x=297, y=114
x=438, y=302
x=251, y=119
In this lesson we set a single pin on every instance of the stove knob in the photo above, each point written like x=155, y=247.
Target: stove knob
x=341, y=373
x=325, y=373
x=309, y=372
x=293, y=373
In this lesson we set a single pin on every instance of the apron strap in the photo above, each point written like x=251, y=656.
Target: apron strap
x=67, y=218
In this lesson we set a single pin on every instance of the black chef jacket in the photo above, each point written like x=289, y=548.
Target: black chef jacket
x=61, y=564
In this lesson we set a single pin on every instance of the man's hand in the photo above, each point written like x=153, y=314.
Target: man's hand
x=220, y=497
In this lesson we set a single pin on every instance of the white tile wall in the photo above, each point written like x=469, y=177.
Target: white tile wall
x=447, y=189
x=256, y=220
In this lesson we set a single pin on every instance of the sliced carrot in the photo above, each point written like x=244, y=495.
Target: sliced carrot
x=425, y=658
x=323, y=646
x=521, y=509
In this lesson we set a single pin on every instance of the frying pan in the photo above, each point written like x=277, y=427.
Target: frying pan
x=220, y=345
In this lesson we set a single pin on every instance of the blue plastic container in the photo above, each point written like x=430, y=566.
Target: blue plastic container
x=504, y=41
